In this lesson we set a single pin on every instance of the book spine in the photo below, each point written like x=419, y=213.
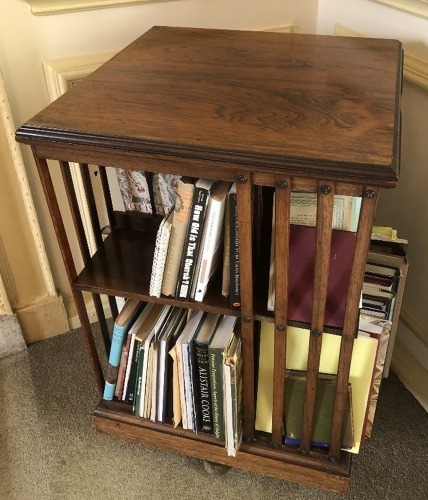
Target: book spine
x=136, y=401
x=216, y=380
x=234, y=282
x=192, y=243
x=159, y=258
x=204, y=418
x=178, y=233
x=113, y=362
x=210, y=249
x=130, y=390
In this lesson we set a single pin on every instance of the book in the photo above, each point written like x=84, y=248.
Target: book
x=294, y=400
x=396, y=266
x=185, y=374
x=212, y=240
x=159, y=257
x=360, y=375
x=225, y=283
x=216, y=351
x=183, y=203
x=232, y=388
x=193, y=238
x=302, y=251
x=131, y=360
x=380, y=329
x=146, y=336
x=143, y=326
x=167, y=338
x=346, y=210
x=204, y=419
x=122, y=324
x=234, y=280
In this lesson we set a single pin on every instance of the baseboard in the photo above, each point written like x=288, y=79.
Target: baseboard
x=411, y=372
x=11, y=336
x=90, y=308
x=43, y=319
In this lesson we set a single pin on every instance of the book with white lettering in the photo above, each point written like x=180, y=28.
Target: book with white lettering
x=216, y=351
x=204, y=417
x=192, y=241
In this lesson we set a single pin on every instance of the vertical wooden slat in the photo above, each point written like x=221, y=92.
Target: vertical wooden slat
x=70, y=268
x=322, y=263
x=92, y=206
x=365, y=224
x=107, y=196
x=111, y=218
x=84, y=247
x=244, y=196
x=282, y=238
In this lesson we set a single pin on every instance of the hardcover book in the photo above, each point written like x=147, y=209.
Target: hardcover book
x=232, y=388
x=212, y=241
x=193, y=238
x=204, y=420
x=216, y=352
x=180, y=221
x=234, y=270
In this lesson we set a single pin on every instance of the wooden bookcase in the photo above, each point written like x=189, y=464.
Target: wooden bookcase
x=279, y=111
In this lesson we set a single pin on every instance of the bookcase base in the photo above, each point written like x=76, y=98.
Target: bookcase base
x=261, y=458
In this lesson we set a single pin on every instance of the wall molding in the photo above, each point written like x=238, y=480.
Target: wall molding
x=415, y=7
x=414, y=326
x=415, y=70
x=47, y=7
x=60, y=76
x=411, y=372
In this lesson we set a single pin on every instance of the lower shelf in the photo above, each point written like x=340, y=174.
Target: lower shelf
x=286, y=463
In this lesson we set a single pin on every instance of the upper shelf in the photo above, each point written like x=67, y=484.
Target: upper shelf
x=295, y=103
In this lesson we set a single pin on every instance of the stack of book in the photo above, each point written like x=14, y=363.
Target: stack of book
x=179, y=366
x=191, y=240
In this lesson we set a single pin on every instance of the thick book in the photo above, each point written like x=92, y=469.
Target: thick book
x=212, y=241
x=123, y=323
x=302, y=252
x=159, y=257
x=204, y=419
x=192, y=241
x=183, y=368
x=234, y=268
x=294, y=400
x=180, y=221
x=216, y=351
x=232, y=388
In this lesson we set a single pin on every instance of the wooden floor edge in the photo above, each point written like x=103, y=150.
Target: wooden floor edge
x=206, y=451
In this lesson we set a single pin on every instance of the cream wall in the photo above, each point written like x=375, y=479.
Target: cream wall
x=26, y=41
x=405, y=207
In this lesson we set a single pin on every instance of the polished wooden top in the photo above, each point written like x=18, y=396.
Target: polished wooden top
x=320, y=104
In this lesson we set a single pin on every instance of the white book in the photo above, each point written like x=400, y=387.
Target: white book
x=159, y=257
x=212, y=241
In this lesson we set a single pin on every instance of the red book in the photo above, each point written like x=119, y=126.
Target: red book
x=302, y=273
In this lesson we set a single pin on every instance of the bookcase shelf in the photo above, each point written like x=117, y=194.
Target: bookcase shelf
x=285, y=112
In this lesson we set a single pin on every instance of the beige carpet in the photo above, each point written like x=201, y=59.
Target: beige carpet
x=50, y=450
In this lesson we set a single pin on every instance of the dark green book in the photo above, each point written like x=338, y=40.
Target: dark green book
x=216, y=350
